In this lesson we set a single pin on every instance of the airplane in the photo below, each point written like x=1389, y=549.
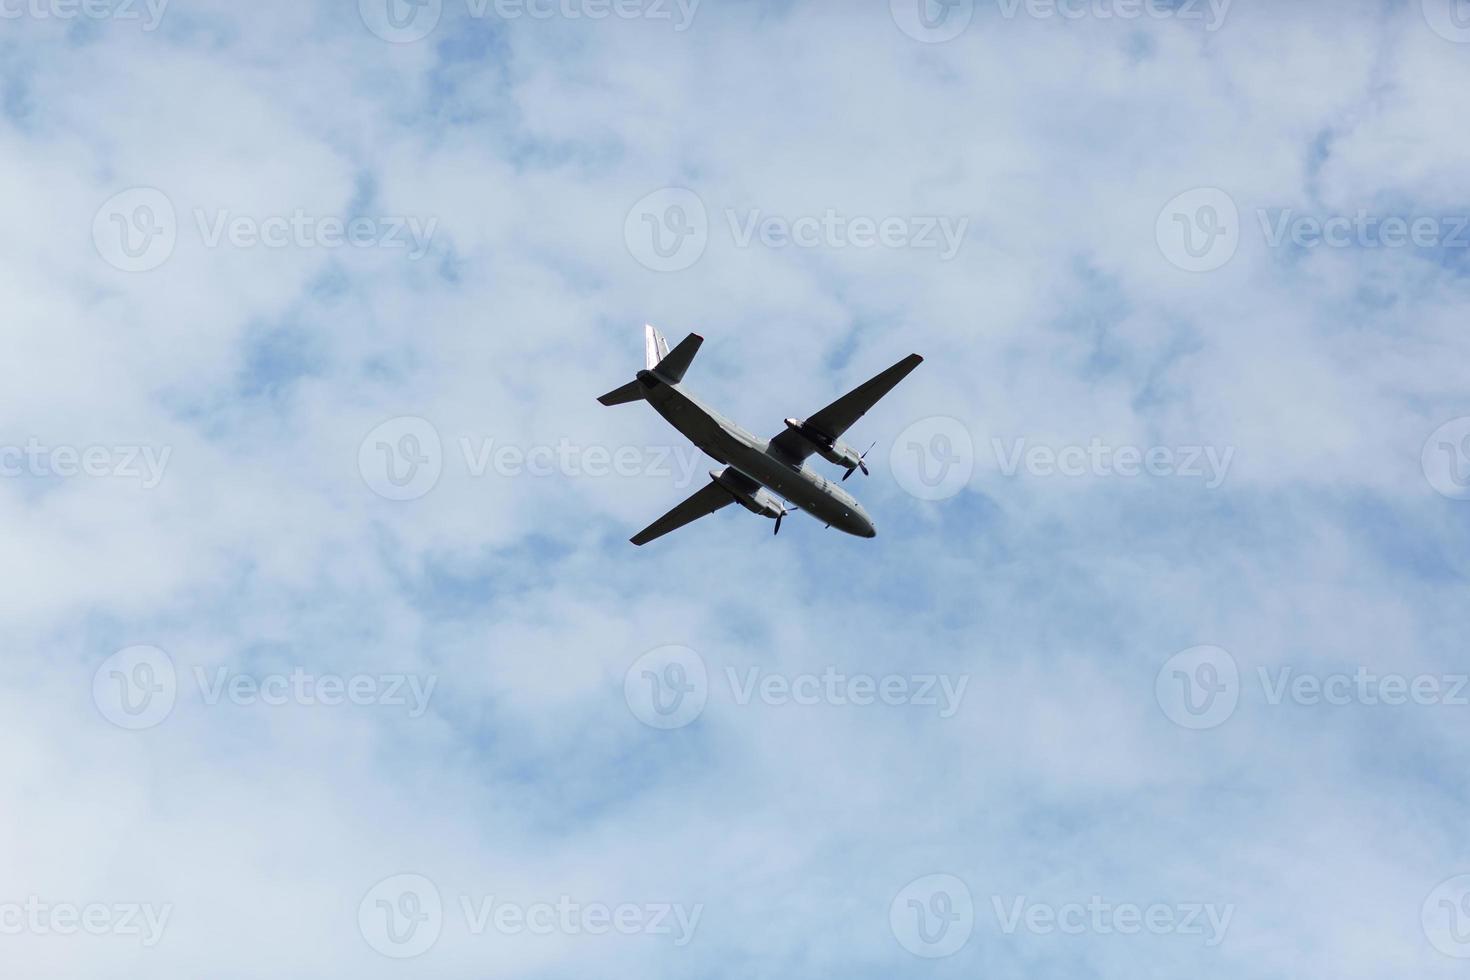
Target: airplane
x=758, y=473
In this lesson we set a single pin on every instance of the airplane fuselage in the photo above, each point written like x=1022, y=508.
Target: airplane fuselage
x=752, y=457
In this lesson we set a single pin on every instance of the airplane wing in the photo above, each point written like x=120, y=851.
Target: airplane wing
x=706, y=500
x=839, y=416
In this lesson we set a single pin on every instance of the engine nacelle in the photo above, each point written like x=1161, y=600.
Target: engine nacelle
x=834, y=451
x=760, y=502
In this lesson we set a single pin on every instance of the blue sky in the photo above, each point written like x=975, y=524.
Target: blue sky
x=328, y=655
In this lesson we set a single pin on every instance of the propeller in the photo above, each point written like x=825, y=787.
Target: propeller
x=784, y=512
x=860, y=464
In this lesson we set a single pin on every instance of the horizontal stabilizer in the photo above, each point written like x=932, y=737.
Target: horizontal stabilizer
x=673, y=366
x=630, y=392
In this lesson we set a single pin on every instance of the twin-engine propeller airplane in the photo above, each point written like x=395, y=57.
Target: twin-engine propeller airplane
x=758, y=473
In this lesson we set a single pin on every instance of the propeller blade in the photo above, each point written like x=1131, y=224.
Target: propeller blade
x=778, y=522
x=864, y=467
x=852, y=470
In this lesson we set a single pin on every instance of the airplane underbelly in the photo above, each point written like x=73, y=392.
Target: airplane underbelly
x=787, y=483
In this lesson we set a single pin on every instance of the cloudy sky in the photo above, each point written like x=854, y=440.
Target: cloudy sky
x=326, y=651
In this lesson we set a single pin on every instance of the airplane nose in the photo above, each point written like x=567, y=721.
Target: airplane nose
x=869, y=531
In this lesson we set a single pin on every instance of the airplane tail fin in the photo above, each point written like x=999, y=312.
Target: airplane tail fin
x=667, y=365
x=673, y=364
x=655, y=348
